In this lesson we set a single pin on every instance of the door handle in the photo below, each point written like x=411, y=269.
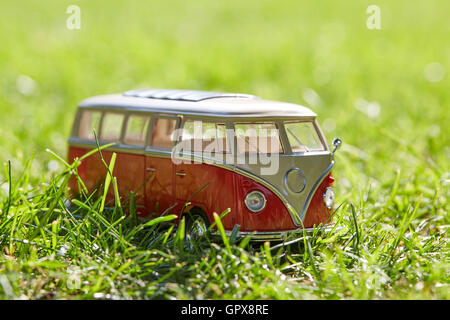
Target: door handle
x=150, y=169
x=182, y=174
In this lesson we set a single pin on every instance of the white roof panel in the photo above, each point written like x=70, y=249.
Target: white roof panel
x=199, y=103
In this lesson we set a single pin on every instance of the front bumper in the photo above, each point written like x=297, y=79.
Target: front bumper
x=285, y=235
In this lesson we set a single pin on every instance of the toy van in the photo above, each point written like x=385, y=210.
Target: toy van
x=200, y=152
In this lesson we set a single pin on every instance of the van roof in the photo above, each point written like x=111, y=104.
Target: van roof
x=198, y=103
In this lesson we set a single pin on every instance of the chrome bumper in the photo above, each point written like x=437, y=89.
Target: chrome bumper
x=277, y=235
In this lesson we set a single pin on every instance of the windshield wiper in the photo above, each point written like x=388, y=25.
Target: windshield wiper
x=298, y=139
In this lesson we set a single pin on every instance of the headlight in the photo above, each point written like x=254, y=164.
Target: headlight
x=255, y=201
x=328, y=197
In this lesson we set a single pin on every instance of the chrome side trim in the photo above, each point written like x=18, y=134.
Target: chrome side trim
x=296, y=218
x=159, y=152
x=120, y=147
x=314, y=189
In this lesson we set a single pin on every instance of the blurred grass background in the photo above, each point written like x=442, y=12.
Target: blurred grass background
x=385, y=92
x=364, y=84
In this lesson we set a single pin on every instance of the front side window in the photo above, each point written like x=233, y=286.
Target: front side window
x=90, y=121
x=204, y=136
x=303, y=137
x=111, y=127
x=136, y=130
x=258, y=138
x=163, y=133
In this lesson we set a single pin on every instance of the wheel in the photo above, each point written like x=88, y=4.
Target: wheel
x=196, y=227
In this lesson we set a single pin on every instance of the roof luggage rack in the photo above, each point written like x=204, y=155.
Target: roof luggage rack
x=184, y=95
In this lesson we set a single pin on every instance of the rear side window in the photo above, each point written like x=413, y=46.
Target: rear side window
x=163, y=133
x=136, y=130
x=204, y=136
x=257, y=138
x=111, y=127
x=90, y=121
x=303, y=137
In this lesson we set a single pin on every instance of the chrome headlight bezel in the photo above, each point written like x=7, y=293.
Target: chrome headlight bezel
x=328, y=197
x=250, y=196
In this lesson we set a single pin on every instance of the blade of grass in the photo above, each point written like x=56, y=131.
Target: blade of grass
x=222, y=232
x=107, y=181
x=223, y=214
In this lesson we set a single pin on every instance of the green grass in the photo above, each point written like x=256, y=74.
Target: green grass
x=369, y=87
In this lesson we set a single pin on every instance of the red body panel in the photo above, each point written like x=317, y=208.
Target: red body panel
x=91, y=170
x=159, y=188
x=209, y=187
x=129, y=170
x=317, y=211
x=273, y=217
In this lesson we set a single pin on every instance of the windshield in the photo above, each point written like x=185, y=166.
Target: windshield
x=303, y=137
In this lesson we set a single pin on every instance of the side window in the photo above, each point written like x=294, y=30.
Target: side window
x=111, y=127
x=90, y=121
x=136, y=130
x=204, y=136
x=257, y=138
x=163, y=133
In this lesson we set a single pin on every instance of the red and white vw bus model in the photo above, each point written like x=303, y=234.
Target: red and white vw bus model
x=267, y=161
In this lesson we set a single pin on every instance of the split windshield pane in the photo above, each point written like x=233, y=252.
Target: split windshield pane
x=303, y=137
